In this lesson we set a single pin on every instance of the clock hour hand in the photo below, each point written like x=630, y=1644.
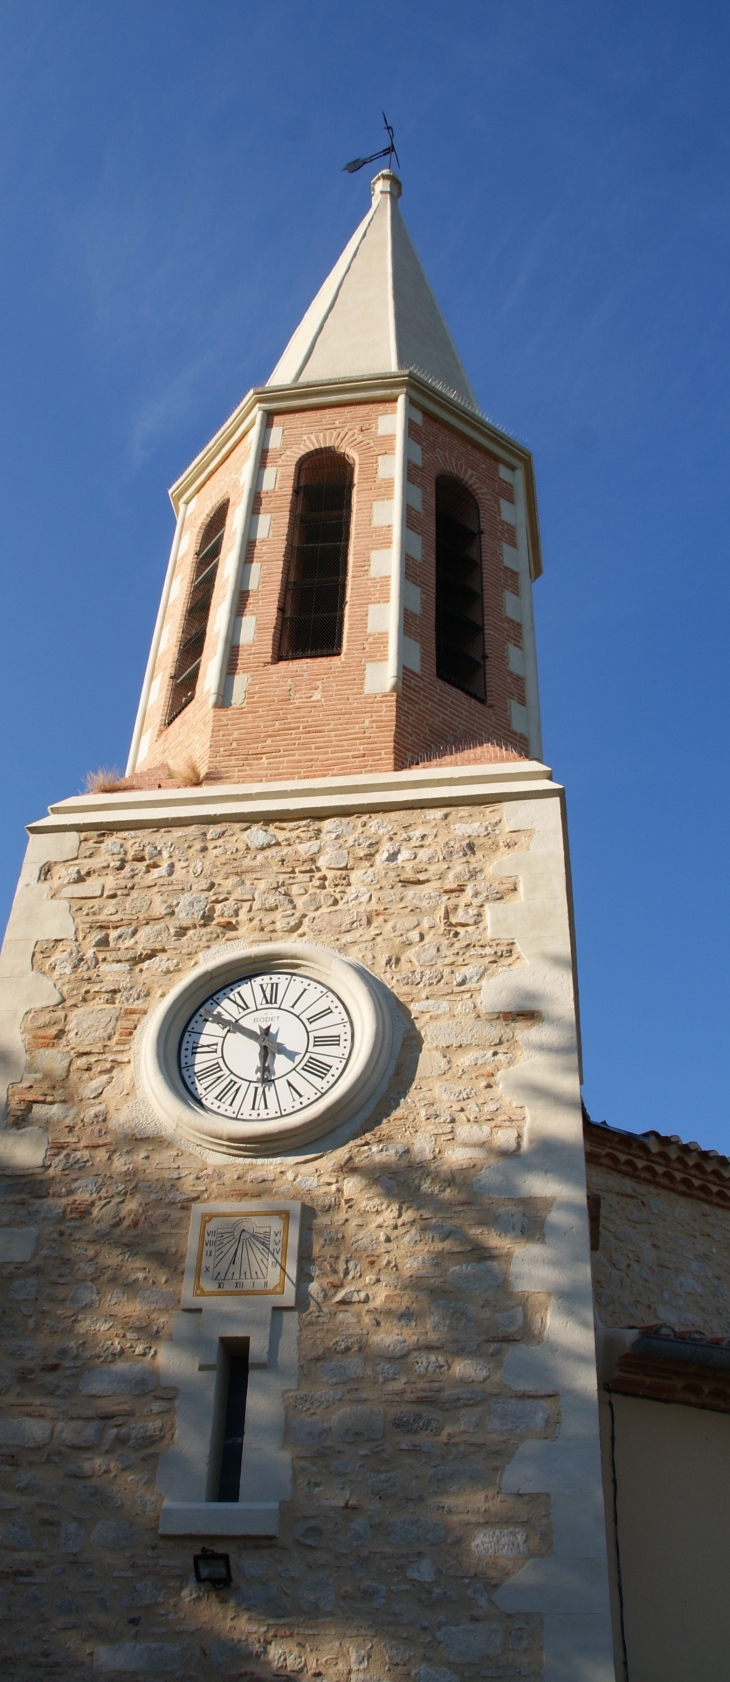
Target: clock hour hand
x=228, y=1022
x=267, y=1052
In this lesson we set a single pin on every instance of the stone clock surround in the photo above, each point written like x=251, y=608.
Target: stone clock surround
x=507, y=959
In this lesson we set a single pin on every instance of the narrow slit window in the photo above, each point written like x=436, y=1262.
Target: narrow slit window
x=460, y=657
x=314, y=600
x=229, y=1478
x=192, y=642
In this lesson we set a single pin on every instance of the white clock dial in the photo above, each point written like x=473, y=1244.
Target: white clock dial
x=267, y=1046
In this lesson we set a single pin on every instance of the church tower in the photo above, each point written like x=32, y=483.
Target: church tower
x=296, y=1251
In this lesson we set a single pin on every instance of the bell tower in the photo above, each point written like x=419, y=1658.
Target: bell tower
x=350, y=580
x=295, y=1240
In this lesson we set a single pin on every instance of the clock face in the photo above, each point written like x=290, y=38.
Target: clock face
x=270, y=1045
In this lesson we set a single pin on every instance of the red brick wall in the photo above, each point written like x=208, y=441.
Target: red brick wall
x=310, y=717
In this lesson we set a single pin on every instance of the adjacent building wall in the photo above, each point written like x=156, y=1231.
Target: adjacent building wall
x=661, y=1227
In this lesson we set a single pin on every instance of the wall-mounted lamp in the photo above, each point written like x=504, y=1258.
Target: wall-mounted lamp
x=212, y=1568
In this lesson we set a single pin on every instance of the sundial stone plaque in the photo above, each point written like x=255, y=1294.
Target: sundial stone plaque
x=242, y=1252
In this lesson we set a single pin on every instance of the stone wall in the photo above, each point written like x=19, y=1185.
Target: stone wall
x=401, y=1425
x=661, y=1256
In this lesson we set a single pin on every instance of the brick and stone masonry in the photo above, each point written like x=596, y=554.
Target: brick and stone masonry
x=313, y=717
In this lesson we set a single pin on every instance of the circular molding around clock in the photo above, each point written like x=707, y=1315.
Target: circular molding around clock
x=263, y=1049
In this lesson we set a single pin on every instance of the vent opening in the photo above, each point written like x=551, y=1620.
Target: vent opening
x=460, y=656
x=195, y=624
x=314, y=600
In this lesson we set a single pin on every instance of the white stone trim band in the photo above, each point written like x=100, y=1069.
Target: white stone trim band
x=532, y=696
x=218, y=667
x=384, y=791
x=395, y=629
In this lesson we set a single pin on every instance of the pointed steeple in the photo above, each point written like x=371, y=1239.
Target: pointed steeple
x=375, y=313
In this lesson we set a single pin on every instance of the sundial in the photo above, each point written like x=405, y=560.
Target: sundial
x=241, y=1255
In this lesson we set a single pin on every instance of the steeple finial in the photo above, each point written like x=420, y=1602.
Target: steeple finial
x=388, y=152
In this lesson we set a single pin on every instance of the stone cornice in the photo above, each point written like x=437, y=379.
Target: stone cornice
x=660, y=1161
x=434, y=785
x=366, y=389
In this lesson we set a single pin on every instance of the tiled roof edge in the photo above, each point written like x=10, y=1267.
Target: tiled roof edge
x=661, y=1160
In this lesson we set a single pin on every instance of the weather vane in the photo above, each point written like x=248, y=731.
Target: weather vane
x=388, y=152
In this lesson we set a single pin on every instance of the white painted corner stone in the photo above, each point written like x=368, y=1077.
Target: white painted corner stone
x=383, y=513
x=376, y=677
x=260, y=526
x=569, y=1588
x=250, y=575
x=381, y=563
x=411, y=654
x=378, y=617
x=519, y=718
x=234, y=689
x=34, y=916
x=244, y=630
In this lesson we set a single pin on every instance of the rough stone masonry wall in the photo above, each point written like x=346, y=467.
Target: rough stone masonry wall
x=398, y=1535
x=661, y=1256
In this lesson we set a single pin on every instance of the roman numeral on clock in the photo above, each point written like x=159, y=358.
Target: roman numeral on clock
x=228, y=1093
x=319, y=1016
x=209, y=1075
x=327, y=1039
x=315, y=1067
x=269, y=991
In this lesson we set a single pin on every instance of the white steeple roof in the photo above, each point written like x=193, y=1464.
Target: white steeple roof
x=376, y=312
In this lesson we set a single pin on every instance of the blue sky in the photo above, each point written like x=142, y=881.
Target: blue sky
x=172, y=197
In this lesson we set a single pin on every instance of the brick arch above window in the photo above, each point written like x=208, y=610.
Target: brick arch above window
x=184, y=681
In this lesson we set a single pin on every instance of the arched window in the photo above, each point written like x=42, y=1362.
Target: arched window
x=314, y=600
x=195, y=624
x=459, y=608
